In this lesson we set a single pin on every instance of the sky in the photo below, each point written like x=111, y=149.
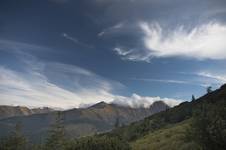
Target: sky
x=74, y=53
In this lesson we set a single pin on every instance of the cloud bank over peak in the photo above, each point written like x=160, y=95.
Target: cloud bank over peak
x=137, y=101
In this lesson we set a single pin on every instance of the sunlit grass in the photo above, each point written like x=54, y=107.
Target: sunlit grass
x=172, y=137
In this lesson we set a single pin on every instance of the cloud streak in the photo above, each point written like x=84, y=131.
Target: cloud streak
x=76, y=41
x=212, y=79
x=111, y=29
x=162, y=80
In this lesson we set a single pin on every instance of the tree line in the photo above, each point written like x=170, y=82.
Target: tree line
x=57, y=140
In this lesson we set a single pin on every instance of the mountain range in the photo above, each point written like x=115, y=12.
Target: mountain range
x=78, y=122
x=198, y=124
x=12, y=111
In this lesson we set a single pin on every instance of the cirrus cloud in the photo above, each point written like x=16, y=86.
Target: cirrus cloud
x=36, y=89
x=202, y=42
x=40, y=83
x=206, y=41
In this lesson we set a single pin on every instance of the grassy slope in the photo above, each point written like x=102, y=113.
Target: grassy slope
x=171, y=137
x=172, y=117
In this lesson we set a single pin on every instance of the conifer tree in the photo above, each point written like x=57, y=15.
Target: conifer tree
x=117, y=123
x=16, y=141
x=193, y=98
x=209, y=89
x=56, y=138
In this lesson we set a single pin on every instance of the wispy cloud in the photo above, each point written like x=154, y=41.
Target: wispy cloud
x=161, y=80
x=206, y=78
x=202, y=42
x=122, y=52
x=34, y=88
x=132, y=54
x=76, y=41
x=43, y=83
x=194, y=81
x=52, y=84
x=212, y=79
x=111, y=29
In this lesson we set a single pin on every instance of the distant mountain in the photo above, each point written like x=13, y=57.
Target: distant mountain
x=158, y=106
x=12, y=111
x=97, y=118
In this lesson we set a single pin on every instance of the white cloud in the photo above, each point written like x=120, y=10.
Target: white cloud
x=50, y=84
x=57, y=85
x=141, y=101
x=35, y=89
x=206, y=41
x=206, y=78
x=220, y=78
x=132, y=54
x=122, y=52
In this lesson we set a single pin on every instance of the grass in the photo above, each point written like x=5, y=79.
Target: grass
x=169, y=138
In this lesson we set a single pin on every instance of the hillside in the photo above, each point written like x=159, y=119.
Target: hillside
x=167, y=129
x=172, y=137
x=196, y=125
x=100, y=117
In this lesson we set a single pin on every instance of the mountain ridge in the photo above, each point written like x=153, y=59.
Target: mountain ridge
x=78, y=122
x=7, y=111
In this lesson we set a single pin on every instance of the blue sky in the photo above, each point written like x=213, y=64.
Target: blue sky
x=65, y=53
